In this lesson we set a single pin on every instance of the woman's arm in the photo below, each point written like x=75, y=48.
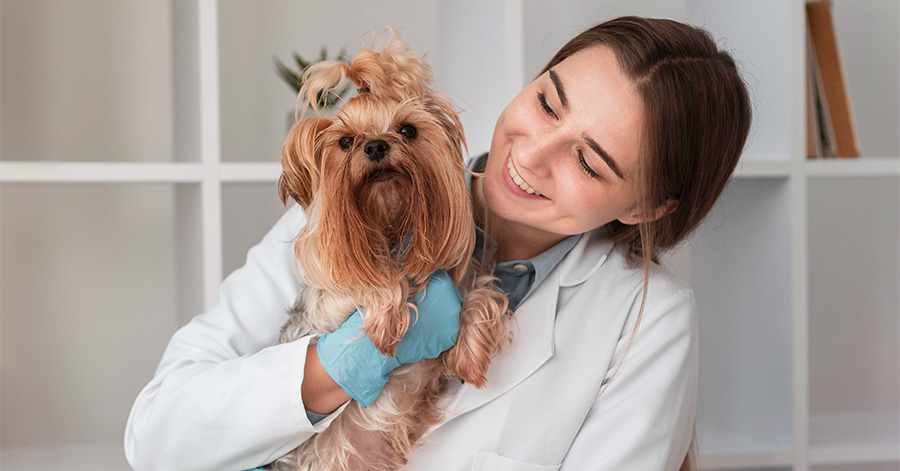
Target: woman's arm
x=644, y=420
x=223, y=397
x=321, y=394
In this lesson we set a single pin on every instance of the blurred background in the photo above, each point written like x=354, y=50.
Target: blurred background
x=139, y=147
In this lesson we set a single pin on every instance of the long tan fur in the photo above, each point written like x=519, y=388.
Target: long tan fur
x=375, y=233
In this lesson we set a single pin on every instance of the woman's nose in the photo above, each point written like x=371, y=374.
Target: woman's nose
x=538, y=155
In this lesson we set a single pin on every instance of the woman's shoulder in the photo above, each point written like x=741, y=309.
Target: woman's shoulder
x=662, y=281
x=669, y=308
x=599, y=258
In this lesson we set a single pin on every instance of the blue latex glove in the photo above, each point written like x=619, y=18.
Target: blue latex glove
x=356, y=365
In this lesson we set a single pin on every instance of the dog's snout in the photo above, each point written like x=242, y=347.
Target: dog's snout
x=375, y=150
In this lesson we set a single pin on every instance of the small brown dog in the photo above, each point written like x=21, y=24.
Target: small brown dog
x=382, y=184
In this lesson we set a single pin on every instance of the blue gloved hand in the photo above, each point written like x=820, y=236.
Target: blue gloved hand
x=359, y=368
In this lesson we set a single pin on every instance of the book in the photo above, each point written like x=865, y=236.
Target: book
x=837, y=133
x=814, y=140
x=820, y=133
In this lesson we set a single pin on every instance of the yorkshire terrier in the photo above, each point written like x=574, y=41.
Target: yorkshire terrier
x=382, y=184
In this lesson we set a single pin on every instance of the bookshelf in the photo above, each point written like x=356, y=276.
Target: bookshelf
x=813, y=244
x=808, y=241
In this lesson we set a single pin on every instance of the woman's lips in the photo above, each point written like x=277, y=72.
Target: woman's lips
x=516, y=184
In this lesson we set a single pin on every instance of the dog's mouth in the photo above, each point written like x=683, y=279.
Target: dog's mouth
x=382, y=174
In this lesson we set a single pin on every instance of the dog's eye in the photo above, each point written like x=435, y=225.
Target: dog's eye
x=408, y=131
x=346, y=142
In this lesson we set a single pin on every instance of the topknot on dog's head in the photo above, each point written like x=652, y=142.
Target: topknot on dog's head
x=388, y=69
x=391, y=69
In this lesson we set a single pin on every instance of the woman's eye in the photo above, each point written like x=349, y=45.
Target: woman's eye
x=408, y=131
x=587, y=168
x=346, y=143
x=543, y=100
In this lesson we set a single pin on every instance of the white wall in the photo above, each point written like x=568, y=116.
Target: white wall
x=86, y=80
x=255, y=102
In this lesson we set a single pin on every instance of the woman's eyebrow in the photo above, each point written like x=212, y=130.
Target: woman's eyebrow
x=560, y=89
x=603, y=155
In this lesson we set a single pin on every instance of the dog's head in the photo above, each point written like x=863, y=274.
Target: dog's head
x=382, y=181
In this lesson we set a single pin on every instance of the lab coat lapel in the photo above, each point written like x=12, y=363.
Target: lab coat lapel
x=533, y=326
x=585, y=258
x=532, y=346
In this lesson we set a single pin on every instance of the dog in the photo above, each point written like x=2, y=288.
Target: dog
x=382, y=184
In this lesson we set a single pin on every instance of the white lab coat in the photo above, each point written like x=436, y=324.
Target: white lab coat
x=224, y=398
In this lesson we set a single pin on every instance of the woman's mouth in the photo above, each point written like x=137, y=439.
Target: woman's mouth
x=514, y=175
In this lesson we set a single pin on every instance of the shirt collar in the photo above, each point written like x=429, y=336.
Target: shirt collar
x=542, y=264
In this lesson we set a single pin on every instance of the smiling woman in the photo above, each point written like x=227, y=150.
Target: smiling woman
x=605, y=123
x=615, y=134
x=612, y=155
x=548, y=137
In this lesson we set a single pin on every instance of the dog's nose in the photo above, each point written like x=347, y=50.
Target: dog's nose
x=375, y=150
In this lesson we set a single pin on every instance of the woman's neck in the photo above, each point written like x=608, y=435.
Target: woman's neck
x=514, y=241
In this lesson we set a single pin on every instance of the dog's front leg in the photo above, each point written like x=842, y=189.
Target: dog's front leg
x=386, y=319
x=483, y=333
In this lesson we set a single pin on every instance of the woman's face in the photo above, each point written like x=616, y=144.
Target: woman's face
x=563, y=154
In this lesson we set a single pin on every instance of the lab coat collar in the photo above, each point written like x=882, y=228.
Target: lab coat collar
x=533, y=327
x=585, y=258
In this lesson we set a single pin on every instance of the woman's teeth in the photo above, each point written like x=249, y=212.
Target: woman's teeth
x=519, y=181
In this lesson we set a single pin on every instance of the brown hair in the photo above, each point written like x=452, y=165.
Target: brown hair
x=697, y=119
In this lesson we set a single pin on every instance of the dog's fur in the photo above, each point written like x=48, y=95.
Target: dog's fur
x=376, y=231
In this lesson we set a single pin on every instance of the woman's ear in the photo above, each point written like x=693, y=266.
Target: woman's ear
x=662, y=210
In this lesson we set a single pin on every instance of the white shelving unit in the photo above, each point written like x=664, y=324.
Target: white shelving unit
x=796, y=271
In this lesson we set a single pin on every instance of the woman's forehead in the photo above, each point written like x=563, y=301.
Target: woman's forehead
x=595, y=68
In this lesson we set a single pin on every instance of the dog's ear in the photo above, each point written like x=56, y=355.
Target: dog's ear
x=445, y=112
x=300, y=159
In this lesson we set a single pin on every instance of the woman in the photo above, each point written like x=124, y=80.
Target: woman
x=615, y=153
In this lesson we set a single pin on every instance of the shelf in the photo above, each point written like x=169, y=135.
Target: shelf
x=774, y=459
x=816, y=168
x=136, y=172
x=755, y=169
x=874, y=466
x=250, y=172
x=862, y=437
x=856, y=167
x=76, y=172
x=738, y=451
x=109, y=457
x=186, y=172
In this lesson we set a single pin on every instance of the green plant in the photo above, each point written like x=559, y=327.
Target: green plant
x=295, y=79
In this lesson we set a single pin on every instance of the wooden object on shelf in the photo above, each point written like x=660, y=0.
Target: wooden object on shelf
x=835, y=117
